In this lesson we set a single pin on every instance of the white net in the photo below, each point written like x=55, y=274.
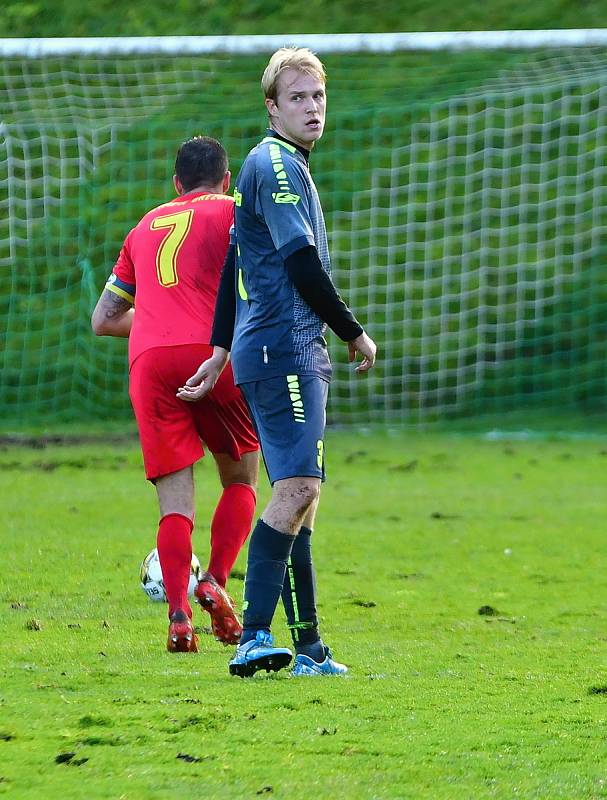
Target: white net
x=479, y=252
x=464, y=196
x=95, y=90
x=66, y=121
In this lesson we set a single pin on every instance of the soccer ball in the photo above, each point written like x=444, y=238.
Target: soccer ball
x=150, y=575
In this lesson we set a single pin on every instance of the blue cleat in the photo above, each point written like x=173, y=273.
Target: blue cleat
x=304, y=665
x=259, y=653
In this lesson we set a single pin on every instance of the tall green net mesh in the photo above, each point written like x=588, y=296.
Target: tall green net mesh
x=465, y=199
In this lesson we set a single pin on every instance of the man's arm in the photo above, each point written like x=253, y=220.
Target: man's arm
x=113, y=315
x=225, y=305
x=317, y=289
x=205, y=377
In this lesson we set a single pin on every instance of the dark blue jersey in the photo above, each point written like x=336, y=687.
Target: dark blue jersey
x=277, y=213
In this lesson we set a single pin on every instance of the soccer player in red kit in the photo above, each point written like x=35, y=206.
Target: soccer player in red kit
x=161, y=294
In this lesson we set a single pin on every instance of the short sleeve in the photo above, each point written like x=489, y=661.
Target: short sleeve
x=283, y=199
x=122, y=280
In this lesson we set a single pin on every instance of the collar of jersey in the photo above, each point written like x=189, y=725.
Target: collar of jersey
x=292, y=148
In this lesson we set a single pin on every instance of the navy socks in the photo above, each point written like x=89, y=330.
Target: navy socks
x=269, y=551
x=299, y=598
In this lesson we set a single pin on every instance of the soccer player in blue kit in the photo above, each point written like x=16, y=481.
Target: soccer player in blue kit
x=275, y=300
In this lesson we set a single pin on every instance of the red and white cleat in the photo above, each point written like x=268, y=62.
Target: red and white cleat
x=182, y=638
x=214, y=599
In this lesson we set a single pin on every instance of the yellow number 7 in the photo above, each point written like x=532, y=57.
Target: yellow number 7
x=166, y=257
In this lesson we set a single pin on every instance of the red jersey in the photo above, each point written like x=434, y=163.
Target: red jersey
x=169, y=267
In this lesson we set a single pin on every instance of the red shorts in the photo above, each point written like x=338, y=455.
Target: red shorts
x=170, y=430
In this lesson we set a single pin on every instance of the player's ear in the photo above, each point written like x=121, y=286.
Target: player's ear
x=177, y=184
x=271, y=106
x=226, y=182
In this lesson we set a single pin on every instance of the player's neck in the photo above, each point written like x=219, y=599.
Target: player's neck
x=203, y=190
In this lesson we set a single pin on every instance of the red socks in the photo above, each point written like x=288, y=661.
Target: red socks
x=174, y=543
x=230, y=527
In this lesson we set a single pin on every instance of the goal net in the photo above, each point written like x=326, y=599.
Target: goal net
x=464, y=192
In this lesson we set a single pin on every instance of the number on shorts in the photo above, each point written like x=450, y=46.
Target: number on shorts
x=178, y=225
x=321, y=448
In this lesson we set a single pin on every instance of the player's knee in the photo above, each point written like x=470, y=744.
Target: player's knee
x=299, y=496
x=248, y=477
x=244, y=471
x=312, y=493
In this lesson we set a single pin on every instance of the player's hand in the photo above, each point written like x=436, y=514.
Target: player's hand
x=364, y=345
x=205, y=377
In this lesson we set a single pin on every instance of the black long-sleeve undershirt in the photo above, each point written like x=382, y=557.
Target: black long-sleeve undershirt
x=306, y=272
x=316, y=287
x=225, y=305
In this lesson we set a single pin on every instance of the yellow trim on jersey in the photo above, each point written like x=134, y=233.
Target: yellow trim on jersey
x=286, y=145
x=213, y=197
x=242, y=292
x=207, y=196
x=111, y=287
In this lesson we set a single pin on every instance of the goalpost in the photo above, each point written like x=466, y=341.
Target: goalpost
x=463, y=182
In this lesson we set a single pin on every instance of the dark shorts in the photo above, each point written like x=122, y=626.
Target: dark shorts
x=289, y=414
x=171, y=430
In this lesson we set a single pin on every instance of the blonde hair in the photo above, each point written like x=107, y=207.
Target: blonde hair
x=300, y=58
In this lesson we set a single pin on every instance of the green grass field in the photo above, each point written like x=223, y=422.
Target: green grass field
x=416, y=533
x=70, y=18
